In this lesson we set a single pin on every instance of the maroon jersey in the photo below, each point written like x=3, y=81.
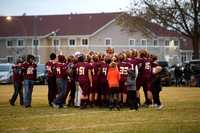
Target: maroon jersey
x=123, y=68
x=29, y=70
x=146, y=66
x=16, y=77
x=49, y=66
x=104, y=70
x=61, y=70
x=82, y=70
x=96, y=68
x=133, y=63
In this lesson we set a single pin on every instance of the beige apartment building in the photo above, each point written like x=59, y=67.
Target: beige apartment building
x=67, y=34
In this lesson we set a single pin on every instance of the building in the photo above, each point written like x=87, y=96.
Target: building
x=66, y=34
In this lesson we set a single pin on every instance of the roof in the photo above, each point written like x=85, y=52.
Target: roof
x=73, y=24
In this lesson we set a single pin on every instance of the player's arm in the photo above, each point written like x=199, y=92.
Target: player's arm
x=98, y=74
x=90, y=77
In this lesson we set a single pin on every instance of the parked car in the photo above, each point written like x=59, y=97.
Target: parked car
x=167, y=72
x=42, y=74
x=6, y=73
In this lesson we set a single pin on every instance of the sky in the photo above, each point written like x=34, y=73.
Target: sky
x=52, y=7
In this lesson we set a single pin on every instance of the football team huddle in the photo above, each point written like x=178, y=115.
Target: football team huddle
x=82, y=78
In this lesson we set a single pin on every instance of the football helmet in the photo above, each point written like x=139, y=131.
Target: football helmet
x=87, y=58
x=110, y=50
x=95, y=57
x=143, y=53
x=129, y=53
x=122, y=57
x=134, y=52
x=107, y=59
x=101, y=56
x=153, y=57
x=70, y=59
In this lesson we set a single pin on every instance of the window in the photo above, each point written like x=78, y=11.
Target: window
x=184, y=42
x=144, y=42
x=84, y=41
x=36, y=42
x=166, y=42
x=72, y=42
x=56, y=42
x=131, y=42
x=108, y=41
x=176, y=43
x=155, y=42
x=20, y=43
x=183, y=57
x=9, y=59
x=9, y=43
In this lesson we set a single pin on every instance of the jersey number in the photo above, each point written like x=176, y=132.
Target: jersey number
x=123, y=70
x=147, y=65
x=30, y=70
x=105, y=71
x=82, y=71
x=49, y=69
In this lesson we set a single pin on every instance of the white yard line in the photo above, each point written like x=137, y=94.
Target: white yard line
x=92, y=112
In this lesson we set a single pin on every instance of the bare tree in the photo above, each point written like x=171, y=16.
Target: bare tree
x=180, y=16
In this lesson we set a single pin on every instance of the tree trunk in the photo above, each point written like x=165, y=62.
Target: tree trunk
x=195, y=43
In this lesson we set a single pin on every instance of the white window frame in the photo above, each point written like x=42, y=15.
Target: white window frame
x=56, y=45
x=157, y=42
x=165, y=42
x=69, y=42
x=11, y=57
x=183, y=56
x=108, y=39
x=7, y=44
x=87, y=42
x=18, y=42
x=129, y=42
x=38, y=59
x=38, y=42
x=177, y=42
x=144, y=40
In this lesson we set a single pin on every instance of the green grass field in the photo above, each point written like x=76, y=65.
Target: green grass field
x=181, y=113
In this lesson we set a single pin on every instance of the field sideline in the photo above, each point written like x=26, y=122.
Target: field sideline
x=181, y=113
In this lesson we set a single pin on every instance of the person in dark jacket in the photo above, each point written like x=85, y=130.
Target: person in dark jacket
x=131, y=90
x=157, y=84
x=178, y=75
x=29, y=74
x=17, y=82
x=187, y=74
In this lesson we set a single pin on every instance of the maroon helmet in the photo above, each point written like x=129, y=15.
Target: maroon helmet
x=70, y=58
x=122, y=57
x=107, y=59
x=95, y=57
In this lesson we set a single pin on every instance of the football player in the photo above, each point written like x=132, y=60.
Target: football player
x=95, y=78
x=60, y=69
x=85, y=79
x=51, y=79
x=104, y=65
x=29, y=74
x=144, y=76
x=123, y=67
x=110, y=50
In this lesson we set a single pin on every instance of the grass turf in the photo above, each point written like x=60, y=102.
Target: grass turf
x=181, y=113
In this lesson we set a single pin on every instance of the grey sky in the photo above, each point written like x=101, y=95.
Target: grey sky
x=49, y=7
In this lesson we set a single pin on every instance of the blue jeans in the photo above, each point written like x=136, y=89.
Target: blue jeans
x=28, y=86
x=61, y=83
x=18, y=87
x=178, y=81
